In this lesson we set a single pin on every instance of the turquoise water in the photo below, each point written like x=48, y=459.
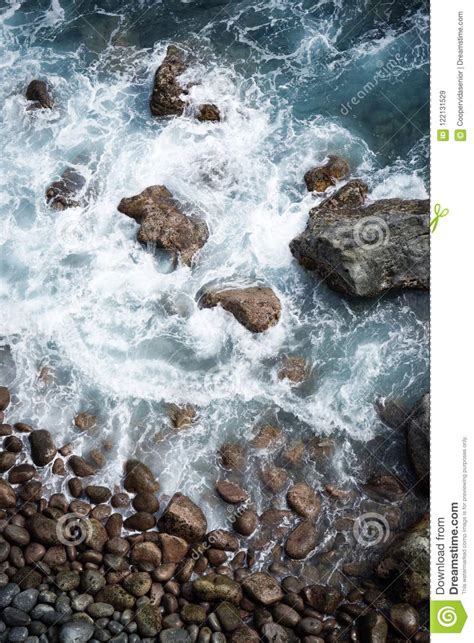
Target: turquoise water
x=117, y=328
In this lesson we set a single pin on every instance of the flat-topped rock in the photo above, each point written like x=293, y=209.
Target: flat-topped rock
x=367, y=249
x=257, y=308
x=263, y=588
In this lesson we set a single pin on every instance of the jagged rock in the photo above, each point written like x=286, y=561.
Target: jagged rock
x=365, y=250
x=85, y=421
x=319, y=179
x=418, y=442
x=209, y=113
x=268, y=436
x=167, y=91
x=233, y=456
x=256, y=308
x=37, y=91
x=182, y=416
x=183, y=518
x=64, y=193
x=163, y=223
x=293, y=369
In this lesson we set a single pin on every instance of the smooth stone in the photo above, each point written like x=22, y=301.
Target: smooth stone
x=15, y=617
x=26, y=600
x=8, y=593
x=78, y=631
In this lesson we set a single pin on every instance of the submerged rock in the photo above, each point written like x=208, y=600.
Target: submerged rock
x=231, y=492
x=64, y=193
x=167, y=91
x=294, y=369
x=139, y=478
x=256, y=308
x=182, y=416
x=320, y=178
x=365, y=250
x=267, y=437
x=301, y=541
x=233, y=456
x=163, y=224
x=38, y=92
x=418, y=442
x=303, y=500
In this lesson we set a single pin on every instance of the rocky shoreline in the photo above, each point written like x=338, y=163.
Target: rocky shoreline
x=93, y=563
x=99, y=564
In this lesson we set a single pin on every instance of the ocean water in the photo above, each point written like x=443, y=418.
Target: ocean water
x=93, y=322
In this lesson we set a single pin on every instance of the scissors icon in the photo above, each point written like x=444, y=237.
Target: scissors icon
x=439, y=214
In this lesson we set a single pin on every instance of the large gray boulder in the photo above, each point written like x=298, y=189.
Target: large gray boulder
x=366, y=249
